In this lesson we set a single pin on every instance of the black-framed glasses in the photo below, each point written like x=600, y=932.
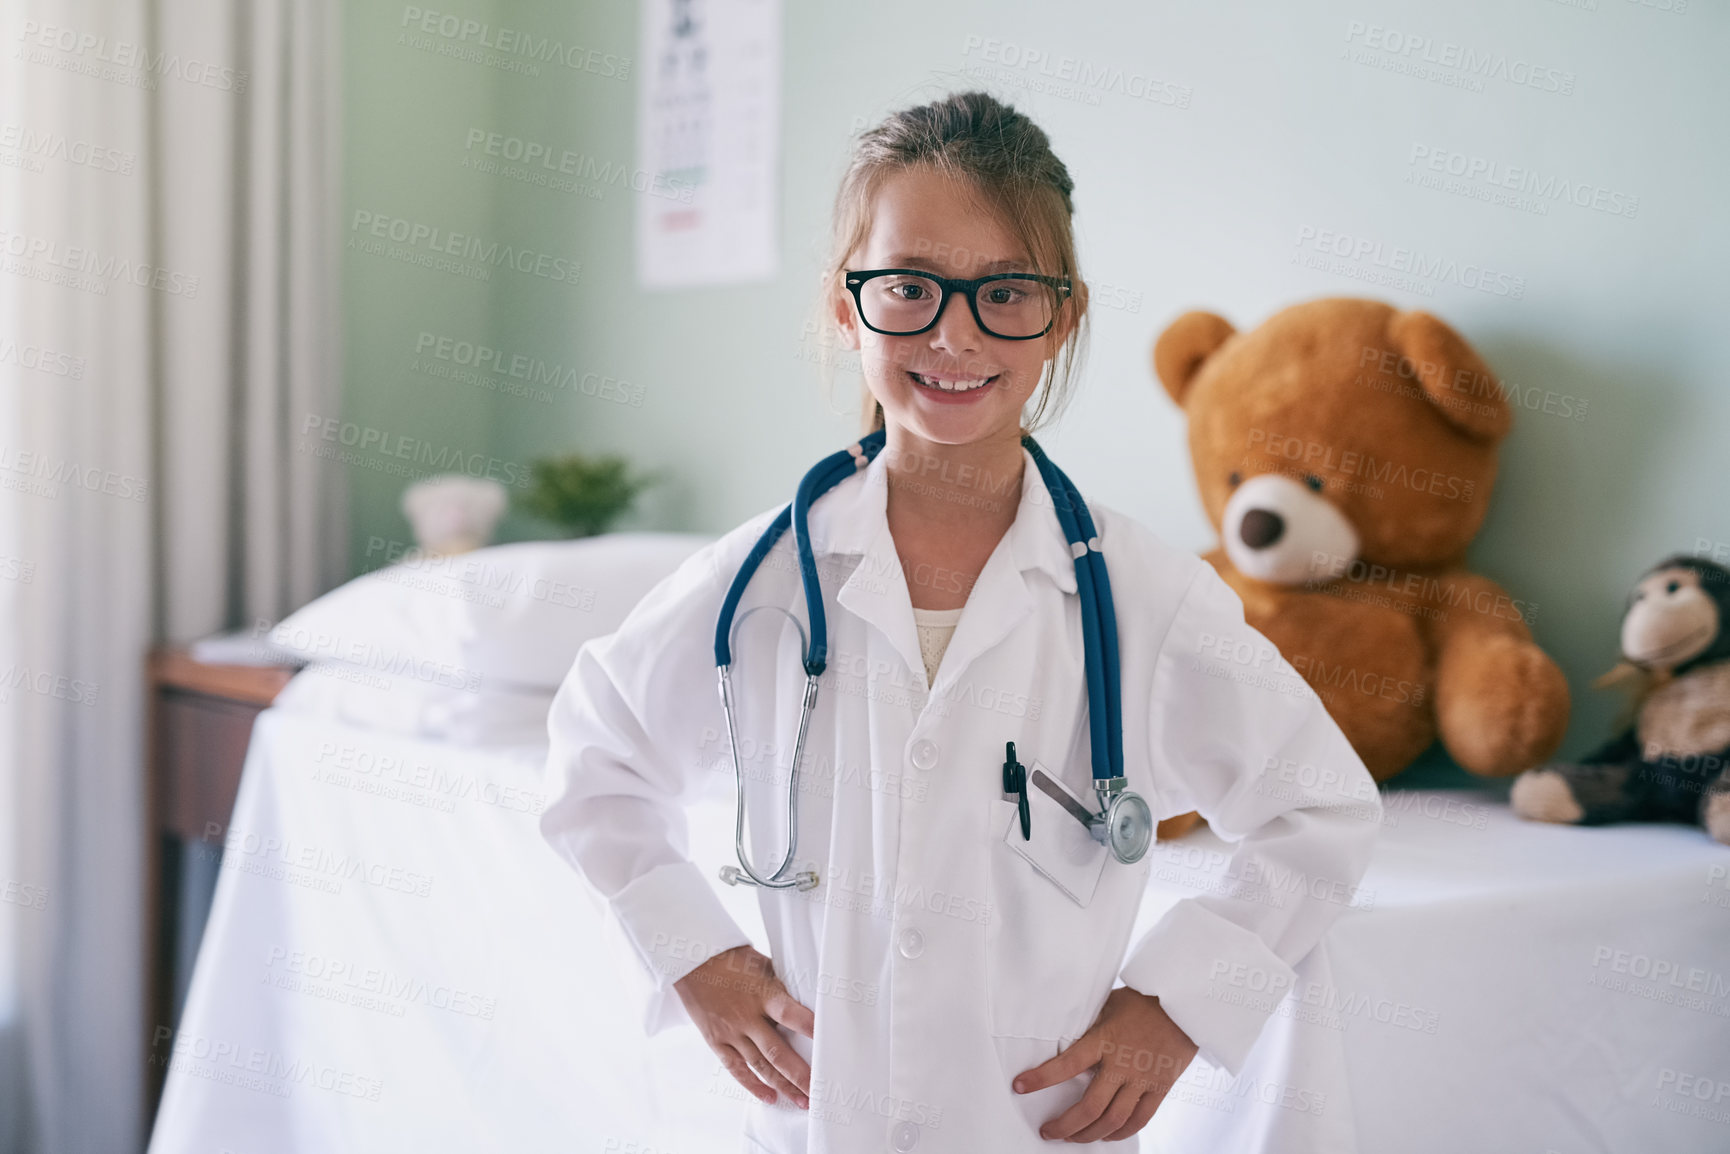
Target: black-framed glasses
x=903, y=302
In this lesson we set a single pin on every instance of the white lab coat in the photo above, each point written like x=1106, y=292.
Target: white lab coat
x=938, y=963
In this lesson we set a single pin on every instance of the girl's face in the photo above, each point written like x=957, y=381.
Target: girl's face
x=952, y=384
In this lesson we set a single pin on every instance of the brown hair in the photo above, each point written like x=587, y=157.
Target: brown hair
x=1008, y=162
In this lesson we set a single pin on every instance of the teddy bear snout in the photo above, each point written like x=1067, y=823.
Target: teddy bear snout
x=1260, y=528
x=1278, y=530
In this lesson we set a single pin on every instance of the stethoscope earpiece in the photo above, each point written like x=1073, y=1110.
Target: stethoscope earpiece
x=733, y=875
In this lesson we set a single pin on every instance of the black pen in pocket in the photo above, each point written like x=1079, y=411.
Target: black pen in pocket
x=1015, y=783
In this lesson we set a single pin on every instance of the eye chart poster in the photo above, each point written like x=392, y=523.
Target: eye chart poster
x=708, y=138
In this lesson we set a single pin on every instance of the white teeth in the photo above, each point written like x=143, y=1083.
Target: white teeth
x=952, y=386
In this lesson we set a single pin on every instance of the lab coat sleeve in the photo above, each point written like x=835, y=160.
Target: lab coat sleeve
x=626, y=733
x=1233, y=732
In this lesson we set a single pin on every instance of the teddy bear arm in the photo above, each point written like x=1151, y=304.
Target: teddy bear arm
x=1473, y=607
x=1501, y=703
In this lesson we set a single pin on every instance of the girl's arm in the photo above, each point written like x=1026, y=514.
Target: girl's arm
x=627, y=745
x=1249, y=745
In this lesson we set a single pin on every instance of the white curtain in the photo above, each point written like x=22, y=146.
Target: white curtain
x=170, y=207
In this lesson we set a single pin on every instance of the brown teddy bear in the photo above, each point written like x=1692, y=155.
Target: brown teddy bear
x=1345, y=452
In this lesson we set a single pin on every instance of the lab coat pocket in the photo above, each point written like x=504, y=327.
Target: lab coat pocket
x=1061, y=848
x=1041, y=1106
x=1047, y=956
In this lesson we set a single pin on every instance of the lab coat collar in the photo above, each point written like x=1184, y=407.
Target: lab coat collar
x=850, y=520
x=854, y=520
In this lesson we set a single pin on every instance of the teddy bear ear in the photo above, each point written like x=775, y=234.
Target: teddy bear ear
x=1452, y=375
x=1184, y=347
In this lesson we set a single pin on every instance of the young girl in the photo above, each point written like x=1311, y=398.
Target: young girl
x=936, y=989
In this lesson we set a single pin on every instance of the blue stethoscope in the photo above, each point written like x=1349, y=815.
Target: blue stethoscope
x=1124, y=824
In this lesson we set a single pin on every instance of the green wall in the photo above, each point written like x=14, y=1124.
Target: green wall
x=403, y=107
x=1266, y=120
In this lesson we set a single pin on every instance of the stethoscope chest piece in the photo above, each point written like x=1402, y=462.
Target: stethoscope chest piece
x=1126, y=826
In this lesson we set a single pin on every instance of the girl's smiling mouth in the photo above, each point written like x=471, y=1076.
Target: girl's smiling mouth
x=949, y=385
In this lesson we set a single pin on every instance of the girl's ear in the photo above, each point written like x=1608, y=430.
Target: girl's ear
x=1069, y=314
x=1068, y=317
x=841, y=310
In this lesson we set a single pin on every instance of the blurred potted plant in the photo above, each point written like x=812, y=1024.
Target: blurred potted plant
x=582, y=495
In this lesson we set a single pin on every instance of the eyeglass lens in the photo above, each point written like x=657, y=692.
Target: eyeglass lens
x=901, y=303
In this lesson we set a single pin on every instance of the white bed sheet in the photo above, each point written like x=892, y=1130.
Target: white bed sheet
x=396, y=961
x=455, y=993
x=1496, y=985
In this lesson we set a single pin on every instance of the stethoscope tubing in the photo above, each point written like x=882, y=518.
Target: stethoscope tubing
x=822, y=477
x=1098, y=618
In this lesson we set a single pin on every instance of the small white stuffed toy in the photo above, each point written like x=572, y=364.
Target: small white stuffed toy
x=453, y=513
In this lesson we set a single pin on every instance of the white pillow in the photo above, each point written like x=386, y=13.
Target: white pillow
x=338, y=691
x=507, y=617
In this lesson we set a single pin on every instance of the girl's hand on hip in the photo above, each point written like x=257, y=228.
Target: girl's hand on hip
x=737, y=1002
x=1136, y=1053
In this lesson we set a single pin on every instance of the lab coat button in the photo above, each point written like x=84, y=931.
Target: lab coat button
x=912, y=943
x=905, y=1136
x=924, y=754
